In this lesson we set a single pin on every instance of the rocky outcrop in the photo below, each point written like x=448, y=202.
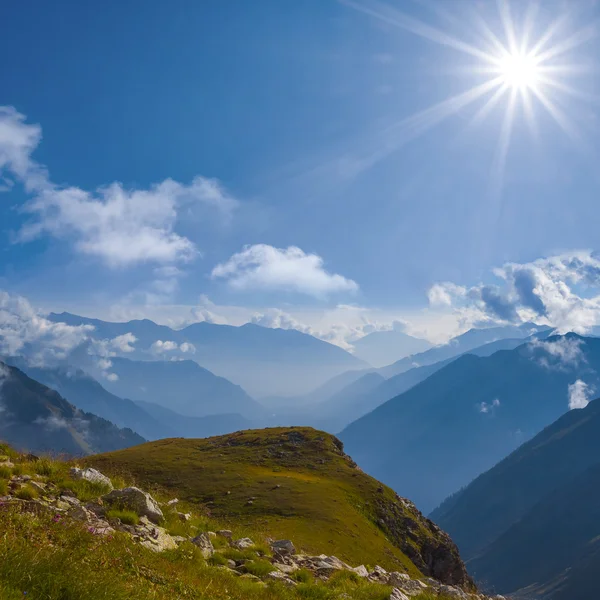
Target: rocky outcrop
x=91, y=475
x=136, y=500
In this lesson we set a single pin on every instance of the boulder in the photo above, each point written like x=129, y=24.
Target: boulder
x=361, y=571
x=242, y=543
x=203, y=542
x=225, y=533
x=159, y=540
x=287, y=569
x=137, y=500
x=283, y=548
x=398, y=595
x=91, y=475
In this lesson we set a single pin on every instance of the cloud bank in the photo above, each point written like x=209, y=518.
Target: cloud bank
x=119, y=226
x=561, y=291
x=579, y=394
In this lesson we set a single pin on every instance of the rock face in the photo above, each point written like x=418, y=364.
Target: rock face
x=91, y=475
x=137, y=500
x=203, y=542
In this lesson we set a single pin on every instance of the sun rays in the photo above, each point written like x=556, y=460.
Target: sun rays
x=519, y=65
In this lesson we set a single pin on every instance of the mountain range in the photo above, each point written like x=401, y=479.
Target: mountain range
x=470, y=414
x=381, y=348
x=264, y=361
x=529, y=527
x=38, y=419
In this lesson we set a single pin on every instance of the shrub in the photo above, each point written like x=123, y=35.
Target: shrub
x=27, y=493
x=45, y=466
x=302, y=576
x=83, y=489
x=217, y=559
x=259, y=568
x=128, y=517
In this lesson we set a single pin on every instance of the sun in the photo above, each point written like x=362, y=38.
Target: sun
x=519, y=71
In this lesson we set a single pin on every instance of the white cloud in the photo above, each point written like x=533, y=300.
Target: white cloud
x=290, y=269
x=561, y=291
x=52, y=423
x=24, y=330
x=485, y=407
x=160, y=346
x=124, y=343
x=579, y=394
x=443, y=294
x=561, y=353
x=187, y=347
x=275, y=318
x=120, y=226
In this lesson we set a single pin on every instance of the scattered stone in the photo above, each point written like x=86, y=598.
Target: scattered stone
x=242, y=543
x=137, y=500
x=179, y=539
x=231, y=564
x=282, y=577
x=361, y=571
x=283, y=548
x=398, y=595
x=173, y=502
x=250, y=503
x=184, y=516
x=203, y=542
x=91, y=475
x=211, y=534
x=159, y=541
x=225, y=533
x=80, y=513
x=287, y=569
x=40, y=488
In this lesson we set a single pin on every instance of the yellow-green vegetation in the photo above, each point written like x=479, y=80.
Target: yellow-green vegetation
x=44, y=558
x=128, y=517
x=26, y=493
x=291, y=483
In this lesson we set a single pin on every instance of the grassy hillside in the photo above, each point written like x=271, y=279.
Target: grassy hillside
x=293, y=483
x=51, y=549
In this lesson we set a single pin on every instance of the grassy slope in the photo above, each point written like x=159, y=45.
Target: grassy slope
x=303, y=488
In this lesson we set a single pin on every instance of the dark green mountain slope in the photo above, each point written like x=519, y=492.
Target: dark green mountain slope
x=497, y=499
x=38, y=419
x=87, y=394
x=438, y=436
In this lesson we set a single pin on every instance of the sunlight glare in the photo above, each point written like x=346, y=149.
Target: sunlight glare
x=519, y=71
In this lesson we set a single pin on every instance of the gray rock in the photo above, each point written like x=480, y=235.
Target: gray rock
x=242, y=543
x=361, y=571
x=398, y=595
x=91, y=475
x=287, y=569
x=283, y=548
x=202, y=540
x=225, y=533
x=137, y=500
x=159, y=540
x=282, y=577
x=172, y=502
x=184, y=516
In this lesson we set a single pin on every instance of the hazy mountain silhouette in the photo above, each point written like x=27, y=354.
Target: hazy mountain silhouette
x=531, y=522
x=443, y=432
x=264, y=361
x=38, y=419
x=382, y=348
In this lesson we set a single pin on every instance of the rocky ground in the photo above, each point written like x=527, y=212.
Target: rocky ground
x=35, y=494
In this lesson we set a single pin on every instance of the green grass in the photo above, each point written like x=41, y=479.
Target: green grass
x=259, y=568
x=128, y=517
x=44, y=558
x=3, y=487
x=305, y=489
x=5, y=472
x=27, y=493
x=83, y=489
x=46, y=467
x=302, y=576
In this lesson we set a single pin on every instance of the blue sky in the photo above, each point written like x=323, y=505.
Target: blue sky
x=295, y=121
